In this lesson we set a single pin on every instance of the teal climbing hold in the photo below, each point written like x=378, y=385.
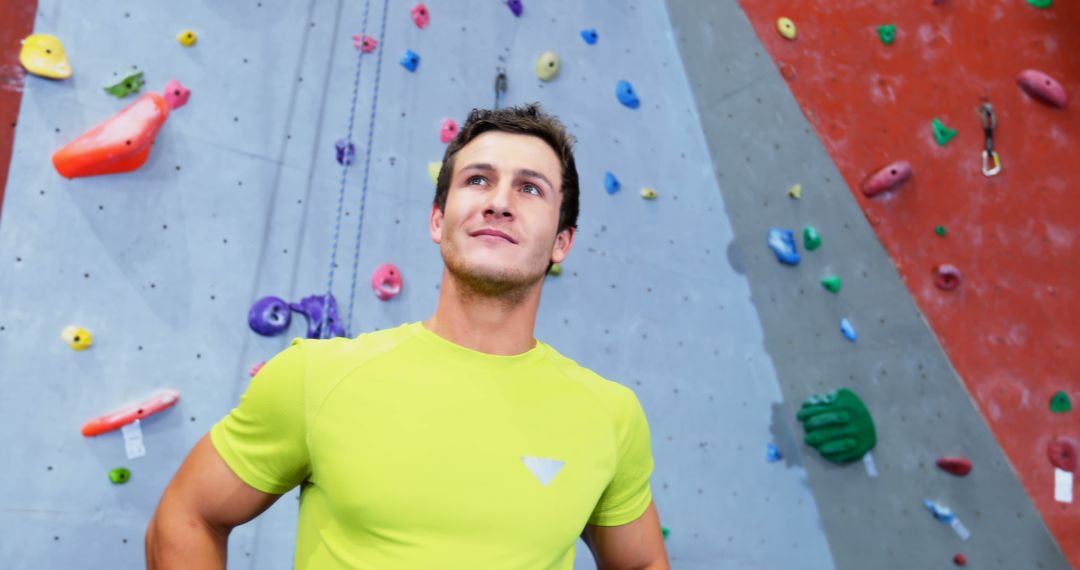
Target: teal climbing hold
x=811, y=238
x=1041, y=3
x=941, y=231
x=831, y=284
x=1059, y=403
x=943, y=134
x=887, y=33
x=838, y=425
x=664, y=530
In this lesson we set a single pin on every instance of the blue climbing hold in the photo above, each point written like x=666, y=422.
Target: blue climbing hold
x=940, y=512
x=346, y=152
x=772, y=454
x=590, y=36
x=626, y=94
x=611, y=184
x=782, y=242
x=411, y=60
x=848, y=329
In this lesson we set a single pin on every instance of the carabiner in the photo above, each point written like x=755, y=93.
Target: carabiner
x=500, y=87
x=991, y=161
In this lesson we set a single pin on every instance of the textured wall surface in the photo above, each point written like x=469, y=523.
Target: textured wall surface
x=238, y=201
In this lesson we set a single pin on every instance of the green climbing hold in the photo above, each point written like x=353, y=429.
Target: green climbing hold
x=838, y=425
x=832, y=284
x=665, y=531
x=941, y=231
x=555, y=270
x=811, y=238
x=887, y=33
x=943, y=134
x=1041, y=3
x=128, y=85
x=1060, y=403
x=119, y=476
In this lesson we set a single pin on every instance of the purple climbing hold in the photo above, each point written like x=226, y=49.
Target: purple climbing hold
x=346, y=152
x=269, y=316
x=312, y=308
x=515, y=7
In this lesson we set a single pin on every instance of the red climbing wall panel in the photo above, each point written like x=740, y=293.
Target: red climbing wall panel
x=1012, y=329
x=17, y=23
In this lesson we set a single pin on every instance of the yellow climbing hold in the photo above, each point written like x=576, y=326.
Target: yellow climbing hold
x=648, y=193
x=77, y=337
x=547, y=67
x=555, y=270
x=795, y=191
x=187, y=38
x=44, y=55
x=786, y=28
x=433, y=169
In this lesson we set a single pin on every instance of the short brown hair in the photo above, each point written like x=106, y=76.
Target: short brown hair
x=524, y=120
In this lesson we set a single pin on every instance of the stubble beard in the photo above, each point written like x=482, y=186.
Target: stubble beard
x=507, y=287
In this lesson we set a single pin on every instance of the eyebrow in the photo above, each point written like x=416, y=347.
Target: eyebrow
x=485, y=167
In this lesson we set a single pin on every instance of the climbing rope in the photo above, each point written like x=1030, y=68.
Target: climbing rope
x=367, y=167
x=324, y=330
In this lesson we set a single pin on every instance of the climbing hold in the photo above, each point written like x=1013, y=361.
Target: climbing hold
x=1062, y=453
x=420, y=15
x=187, y=38
x=832, y=284
x=312, y=308
x=126, y=86
x=811, y=238
x=555, y=270
x=448, y=131
x=941, y=231
x=366, y=44
x=786, y=28
x=77, y=337
x=772, y=454
x=611, y=184
x=119, y=476
x=43, y=55
x=1059, y=403
x=887, y=33
x=1042, y=87
x=649, y=193
x=848, y=330
x=410, y=60
x=590, y=36
x=161, y=400
x=959, y=466
x=1041, y=3
x=121, y=143
x=433, y=169
x=795, y=191
x=626, y=94
x=255, y=368
x=269, y=316
x=386, y=281
x=960, y=560
x=782, y=242
x=547, y=66
x=664, y=531
x=345, y=152
x=888, y=178
x=940, y=512
x=838, y=425
x=515, y=7
x=942, y=134
x=946, y=277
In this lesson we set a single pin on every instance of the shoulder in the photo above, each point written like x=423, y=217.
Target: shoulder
x=327, y=361
x=614, y=397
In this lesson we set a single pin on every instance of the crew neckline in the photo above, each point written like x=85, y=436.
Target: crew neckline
x=464, y=354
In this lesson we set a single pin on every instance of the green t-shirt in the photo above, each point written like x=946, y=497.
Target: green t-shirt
x=415, y=452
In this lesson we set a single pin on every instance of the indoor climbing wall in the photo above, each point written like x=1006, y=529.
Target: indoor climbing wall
x=239, y=200
x=990, y=259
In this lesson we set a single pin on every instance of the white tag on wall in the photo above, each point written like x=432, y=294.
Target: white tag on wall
x=1063, y=486
x=868, y=461
x=133, y=440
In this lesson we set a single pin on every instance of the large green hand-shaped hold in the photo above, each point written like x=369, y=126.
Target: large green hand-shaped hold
x=838, y=425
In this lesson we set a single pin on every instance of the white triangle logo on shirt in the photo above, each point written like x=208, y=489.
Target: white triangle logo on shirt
x=544, y=469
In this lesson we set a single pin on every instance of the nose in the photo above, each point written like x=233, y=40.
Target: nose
x=500, y=202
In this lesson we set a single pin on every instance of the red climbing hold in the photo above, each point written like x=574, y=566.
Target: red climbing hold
x=958, y=466
x=888, y=178
x=946, y=277
x=1042, y=87
x=1062, y=453
x=959, y=560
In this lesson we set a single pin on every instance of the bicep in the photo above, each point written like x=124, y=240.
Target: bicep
x=637, y=544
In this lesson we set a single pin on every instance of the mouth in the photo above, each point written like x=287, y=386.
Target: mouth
x=494, y=233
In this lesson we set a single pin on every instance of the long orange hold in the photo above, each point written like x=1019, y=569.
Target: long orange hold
x=162, y=400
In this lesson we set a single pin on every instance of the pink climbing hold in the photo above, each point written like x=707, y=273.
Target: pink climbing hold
x=175, y=94
x=886, y=179
x=386, y=281
x=1042, y=87
x=366, y=44
x=959, y=466
x=420, y=15
x=946, y=277
x=1062, y=453
x=449, y=130
x=256, y=368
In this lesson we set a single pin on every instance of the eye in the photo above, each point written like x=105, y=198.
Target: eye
x=532, y=188
x=477, y=179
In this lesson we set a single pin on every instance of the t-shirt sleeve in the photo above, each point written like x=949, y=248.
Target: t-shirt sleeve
x=628, y=494
x=264, y=439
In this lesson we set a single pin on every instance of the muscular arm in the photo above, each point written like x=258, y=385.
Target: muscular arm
x=638, y=545
x=200, y=507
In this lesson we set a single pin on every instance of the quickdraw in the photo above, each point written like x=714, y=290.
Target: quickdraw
x=991, y=162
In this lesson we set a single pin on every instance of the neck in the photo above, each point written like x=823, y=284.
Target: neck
x=500, y=325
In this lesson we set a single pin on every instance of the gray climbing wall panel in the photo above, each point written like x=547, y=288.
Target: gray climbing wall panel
x=238, y=201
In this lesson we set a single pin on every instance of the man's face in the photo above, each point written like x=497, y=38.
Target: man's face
x=498, y=232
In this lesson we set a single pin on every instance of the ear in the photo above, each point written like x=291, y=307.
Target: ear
x=564, y=240
x=435, y=223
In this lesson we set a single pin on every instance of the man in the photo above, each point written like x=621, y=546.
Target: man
x=458, y=442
